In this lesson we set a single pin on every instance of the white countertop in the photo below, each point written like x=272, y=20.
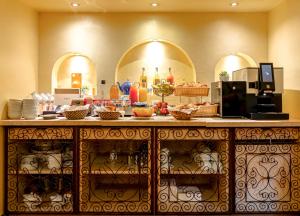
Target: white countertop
x=154, y=121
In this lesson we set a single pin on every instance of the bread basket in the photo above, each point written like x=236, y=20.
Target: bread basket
x=109, y=115
x=191, y=91
x=76, y=114
x=180, y=115
x=207, y=110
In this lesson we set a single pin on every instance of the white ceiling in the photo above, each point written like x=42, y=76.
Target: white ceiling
x=144, y=5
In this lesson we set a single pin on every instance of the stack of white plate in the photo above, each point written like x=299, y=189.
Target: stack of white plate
x=14, y=109
x=30, y=108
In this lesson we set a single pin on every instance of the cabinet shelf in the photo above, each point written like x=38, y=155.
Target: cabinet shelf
x=101, y=166
x=184, y=165
x=42, y=172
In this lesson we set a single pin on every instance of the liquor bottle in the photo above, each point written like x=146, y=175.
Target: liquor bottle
x=143, y=79
x=156, y=77
x=170, y=77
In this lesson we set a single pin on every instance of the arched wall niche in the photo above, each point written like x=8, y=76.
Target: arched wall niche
x=233, y=62
x=151, y=54
x=71, y=64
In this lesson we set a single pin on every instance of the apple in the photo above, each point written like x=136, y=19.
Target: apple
x=164, y=104
x=164, y=111
x=159, y=104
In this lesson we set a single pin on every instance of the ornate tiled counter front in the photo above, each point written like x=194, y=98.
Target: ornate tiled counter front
x=152, y=167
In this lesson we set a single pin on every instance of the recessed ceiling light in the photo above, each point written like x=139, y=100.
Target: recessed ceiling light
x=154, y=4
x=234, y=4
x=75, y=4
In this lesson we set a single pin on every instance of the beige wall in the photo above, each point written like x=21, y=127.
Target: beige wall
x=19, y=51
x=18, y=60
x=284, y=49
x=206, y=37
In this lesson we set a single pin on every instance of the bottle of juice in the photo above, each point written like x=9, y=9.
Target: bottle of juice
x=143, y=94
x=170, y=77
x=143, y=79
x=114, y=92
x=133, y=94
x=156, y=77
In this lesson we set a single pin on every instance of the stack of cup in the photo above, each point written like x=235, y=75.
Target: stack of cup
x=14, y=109
x=30, y=108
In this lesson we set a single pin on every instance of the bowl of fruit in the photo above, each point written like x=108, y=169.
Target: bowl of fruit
x=161, y=108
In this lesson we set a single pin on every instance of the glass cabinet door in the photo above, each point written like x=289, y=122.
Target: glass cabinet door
x=193, y=170
x=40, y=170
x=115, y=170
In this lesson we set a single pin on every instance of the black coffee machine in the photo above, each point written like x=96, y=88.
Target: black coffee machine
x=262, y=100
x=231, y=97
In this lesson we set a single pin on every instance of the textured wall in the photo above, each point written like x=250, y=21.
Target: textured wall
x=206, y=37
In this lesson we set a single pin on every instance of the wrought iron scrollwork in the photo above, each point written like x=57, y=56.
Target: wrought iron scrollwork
x=267, y=175
x=40, y=170
x=267, y=134
x=193, y=170
x=115, y=170
x=40, y=133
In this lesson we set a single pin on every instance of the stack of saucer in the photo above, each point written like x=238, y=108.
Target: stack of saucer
x=30, y=108
x=14, y=109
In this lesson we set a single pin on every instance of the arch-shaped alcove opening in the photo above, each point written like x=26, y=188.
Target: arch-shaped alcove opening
x=75, y=70
x=151, y=54
x=233, y=62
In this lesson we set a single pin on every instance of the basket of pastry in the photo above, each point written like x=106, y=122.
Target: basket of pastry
x=182, y=112
x=206, y=109
x=191, y=90
x=76, y=112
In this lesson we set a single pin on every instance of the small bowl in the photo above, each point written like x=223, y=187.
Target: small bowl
x=76, y=114
x=110, y=115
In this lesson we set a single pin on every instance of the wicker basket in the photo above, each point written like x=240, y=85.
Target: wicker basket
x=179, y=115
x=207, y=110
x=76, y=114
x=110, y=115
x=191, y=91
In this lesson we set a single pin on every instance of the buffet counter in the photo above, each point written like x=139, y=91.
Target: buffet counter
x=154, y=121
x=155, y=166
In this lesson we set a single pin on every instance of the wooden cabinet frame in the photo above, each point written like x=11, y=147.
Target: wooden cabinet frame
x=243, y=149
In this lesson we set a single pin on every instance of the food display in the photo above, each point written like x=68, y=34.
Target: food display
x=76, y=112
x=163, y=90
x=191, y=89
x=205, y=109
x=161, y=108
x=142, y=111
x=109, y=115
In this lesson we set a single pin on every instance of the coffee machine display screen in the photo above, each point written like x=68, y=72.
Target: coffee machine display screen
x=266, y=77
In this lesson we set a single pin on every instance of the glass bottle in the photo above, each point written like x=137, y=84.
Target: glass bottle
x=143, y=94
x=143, y=79
x=114, y=92
x=170, y=77
x=102, y=89
x=156, y=77
x=133, y=93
